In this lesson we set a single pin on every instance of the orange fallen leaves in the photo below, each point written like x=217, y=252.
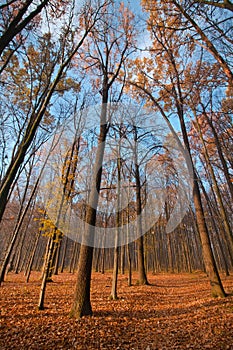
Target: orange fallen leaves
x=174, y=312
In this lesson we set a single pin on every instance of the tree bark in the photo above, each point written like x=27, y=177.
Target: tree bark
x=82, y=304
x=18, y=23
x=142, y=278
x=211, y=268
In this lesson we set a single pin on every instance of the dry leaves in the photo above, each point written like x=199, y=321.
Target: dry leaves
x=174, y=312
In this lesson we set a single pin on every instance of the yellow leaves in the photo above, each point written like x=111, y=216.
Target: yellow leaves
x=48, y=227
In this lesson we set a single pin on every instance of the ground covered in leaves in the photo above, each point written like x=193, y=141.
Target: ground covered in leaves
x=174, y=312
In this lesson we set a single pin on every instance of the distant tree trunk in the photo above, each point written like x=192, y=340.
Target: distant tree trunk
x=15, y=234
x=96, y=258
x=142, y=279
x=19, y=251
x=113, y=295
x=39, y=257
x=64, y=246
x=122, y=260
x=155, y=254
x=29, y=267
x=73, y=259
x=57, y=256
x=129, y=265
x=128, y=252
x=102, y=260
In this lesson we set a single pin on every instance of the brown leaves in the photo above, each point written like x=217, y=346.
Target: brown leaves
x=175, y=312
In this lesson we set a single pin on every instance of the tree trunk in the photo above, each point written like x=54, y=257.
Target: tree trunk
x=64, y=245
x=210, y=265
x=142, y=279
x=19, y=22
x=129, y=265
x=222, y=210
x=29, y=267
x=221, y=156
x=113, y=295
x=46, y=271
x=82, y=304
x=122, y=260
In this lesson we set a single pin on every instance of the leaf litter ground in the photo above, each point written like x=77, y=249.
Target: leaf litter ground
x=174, y=312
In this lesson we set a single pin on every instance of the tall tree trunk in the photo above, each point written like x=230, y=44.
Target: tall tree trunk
x=142, y=278
x=210, y=264
x=102, y=260
x=214, y=213
x=211, y=268
x=222, y=210
x=208, y=257
x=82, y=304
x=113, y=295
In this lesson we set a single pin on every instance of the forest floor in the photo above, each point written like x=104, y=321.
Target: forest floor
x=174, y=312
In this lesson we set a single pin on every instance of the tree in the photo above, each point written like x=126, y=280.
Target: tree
x=55, y=235
x=226, y=4
x=16, y=15
x=171, y=95
x=109, y=46
x=57, y=71
x=140, y=246
x=18, y=18
x=206, y=41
